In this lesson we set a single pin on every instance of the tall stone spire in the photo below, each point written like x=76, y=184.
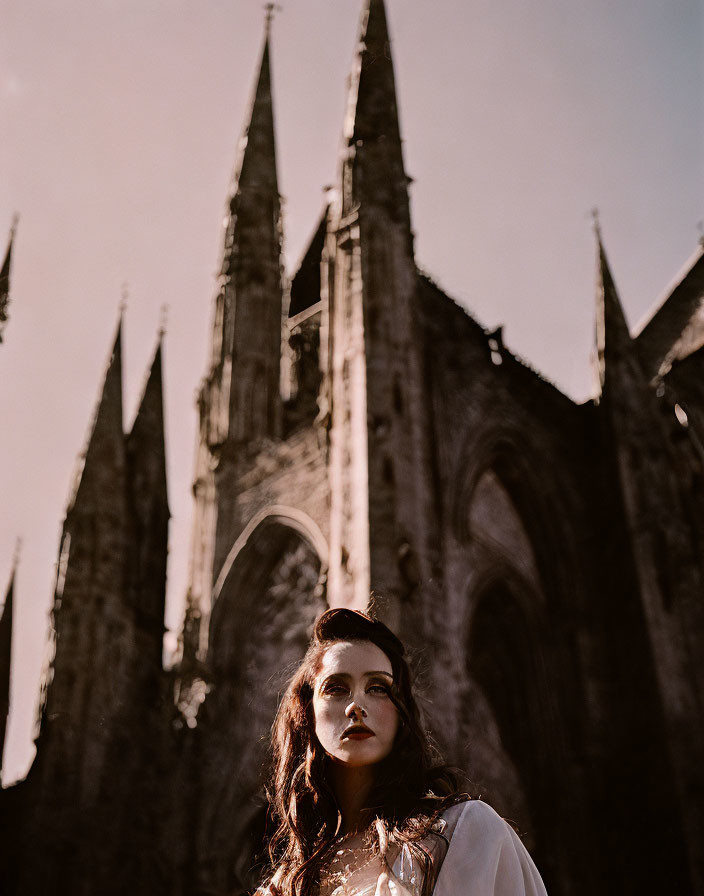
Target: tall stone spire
x=148, y=504
x=104, y=454
x=5, y=280
x=255, y=171
x=95, y=750
x=612, y=334
x=5, y=659
x=382, y=534
x=246, y=354
x=372, y=130
x=90, y=590
x=239, y=401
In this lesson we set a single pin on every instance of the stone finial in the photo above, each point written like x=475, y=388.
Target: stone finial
x=270, y=9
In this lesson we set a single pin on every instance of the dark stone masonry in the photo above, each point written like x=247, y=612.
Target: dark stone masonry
x=358, y=431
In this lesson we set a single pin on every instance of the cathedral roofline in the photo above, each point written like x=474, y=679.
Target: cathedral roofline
x=674, y=327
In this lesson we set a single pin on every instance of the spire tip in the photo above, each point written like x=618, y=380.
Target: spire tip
x=124, y=296
x=269, y=11
x=596, y=223
x=163, y=319
x=17, y=552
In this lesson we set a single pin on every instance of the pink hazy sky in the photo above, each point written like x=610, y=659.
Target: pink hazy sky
x=120, y=120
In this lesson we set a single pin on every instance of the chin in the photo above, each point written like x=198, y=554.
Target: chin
x=360, y=758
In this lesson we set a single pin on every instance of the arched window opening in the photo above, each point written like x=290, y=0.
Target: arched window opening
x=504, y=657
x=495, y=522
x=260, y=627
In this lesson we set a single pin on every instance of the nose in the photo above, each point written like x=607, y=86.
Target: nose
x=355, y=711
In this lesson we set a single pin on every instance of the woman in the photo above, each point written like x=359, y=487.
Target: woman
x=362, y=808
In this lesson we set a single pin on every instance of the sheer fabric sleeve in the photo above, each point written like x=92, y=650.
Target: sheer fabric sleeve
x=487, y=858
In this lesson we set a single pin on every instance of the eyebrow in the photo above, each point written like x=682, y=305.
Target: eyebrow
x=348, y=675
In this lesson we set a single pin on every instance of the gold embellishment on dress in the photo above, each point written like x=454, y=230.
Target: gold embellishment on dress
x=360, y=871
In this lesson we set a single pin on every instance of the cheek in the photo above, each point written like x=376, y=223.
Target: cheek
x=388, y=720
x=326, y=723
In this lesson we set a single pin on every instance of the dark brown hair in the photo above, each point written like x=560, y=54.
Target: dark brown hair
x=412, y=786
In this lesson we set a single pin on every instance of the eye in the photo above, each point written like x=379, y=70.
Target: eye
x=334, y=689
x=380, y=689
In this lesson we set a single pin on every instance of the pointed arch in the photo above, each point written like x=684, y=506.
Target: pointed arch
x=275, y=513
x=539, y=497
x=269, y=593
x=513, y=517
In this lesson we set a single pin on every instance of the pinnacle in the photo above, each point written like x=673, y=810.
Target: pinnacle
x=5, y=278
x=254, y=194
x=5, y=658
x=104, y=454
x=6, y=614
x=147, y=496
x=5, y=270
x=154, y=385
x=613, y=310
x=147, y=434
x=613, y=335
x=372, y=131
x=376, y=113
x=257, y=164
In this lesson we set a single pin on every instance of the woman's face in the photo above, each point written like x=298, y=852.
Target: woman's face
x=355, y=719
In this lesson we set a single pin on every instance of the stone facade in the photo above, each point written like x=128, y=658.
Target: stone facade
x=359, y=431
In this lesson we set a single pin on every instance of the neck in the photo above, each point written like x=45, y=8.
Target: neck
x=352, y=787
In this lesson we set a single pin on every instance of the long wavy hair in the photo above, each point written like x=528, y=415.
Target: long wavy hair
x=411, y=785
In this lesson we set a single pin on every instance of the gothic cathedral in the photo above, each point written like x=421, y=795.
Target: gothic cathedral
x=360, y=432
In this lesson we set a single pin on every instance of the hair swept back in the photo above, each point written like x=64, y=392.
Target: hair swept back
x=412, y=787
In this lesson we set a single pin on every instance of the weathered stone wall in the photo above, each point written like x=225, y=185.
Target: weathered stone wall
x=511, y=454
x=288, y=474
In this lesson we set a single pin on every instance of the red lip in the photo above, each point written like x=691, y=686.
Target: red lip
x=357, y=732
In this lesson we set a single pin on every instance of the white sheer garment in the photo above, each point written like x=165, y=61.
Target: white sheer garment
x=485, y=858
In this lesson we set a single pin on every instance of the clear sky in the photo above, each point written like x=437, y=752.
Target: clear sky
x=120, y=120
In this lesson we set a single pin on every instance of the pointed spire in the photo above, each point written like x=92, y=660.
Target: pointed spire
x=147, y=434
x=372, y=129
x=374, y=93
x=256, y=166
x=104, y=454
x=5, y=657
x=153, y=387
x=5, y=279
x=254, y=202
x=613, y=335
x=148, y=502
